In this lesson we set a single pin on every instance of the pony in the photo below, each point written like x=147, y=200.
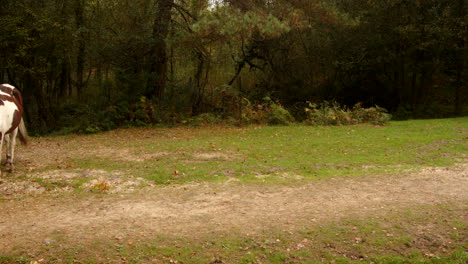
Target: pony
x=11, y=121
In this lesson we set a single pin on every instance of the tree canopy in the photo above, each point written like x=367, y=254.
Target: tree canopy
x=90, y=65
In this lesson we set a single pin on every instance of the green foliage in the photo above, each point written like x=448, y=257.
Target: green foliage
x=231, y=23
x=140, y=113
x=204, y=119
x=332, y=113
x=406, y=56
x=278, y=115
x=338, y=17
x=373, y=115
x=268, y=112
x=83, y=118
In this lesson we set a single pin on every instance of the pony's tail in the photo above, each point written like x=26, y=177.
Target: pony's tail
x=23, y=133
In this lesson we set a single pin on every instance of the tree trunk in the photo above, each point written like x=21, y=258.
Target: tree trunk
x=80, y=55
x=460, y=62
x=197, y=93
x=158, y=54
x=43, y=118
x=64, y=81
x=239, y=67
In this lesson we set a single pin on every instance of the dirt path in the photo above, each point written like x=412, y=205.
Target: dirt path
x=205, y=209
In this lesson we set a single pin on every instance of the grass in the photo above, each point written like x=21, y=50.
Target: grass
x=268, y=153
x=262, y=154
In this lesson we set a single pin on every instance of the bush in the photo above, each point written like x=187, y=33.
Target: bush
x=278, y=115
x=374, y=115
x=82, y=118
x=332, y=113
x=204, y=119
x=266, y=112
x=75, y=118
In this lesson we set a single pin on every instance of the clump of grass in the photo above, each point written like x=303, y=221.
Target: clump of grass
x=6, y=259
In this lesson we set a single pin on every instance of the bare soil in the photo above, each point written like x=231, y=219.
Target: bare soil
x=204, y=209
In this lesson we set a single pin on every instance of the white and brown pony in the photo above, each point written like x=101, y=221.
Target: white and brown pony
x=11, y=121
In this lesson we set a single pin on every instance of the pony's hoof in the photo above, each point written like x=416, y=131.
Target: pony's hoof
x=9, y=167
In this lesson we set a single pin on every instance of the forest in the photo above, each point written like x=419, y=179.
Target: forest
x=85, y=66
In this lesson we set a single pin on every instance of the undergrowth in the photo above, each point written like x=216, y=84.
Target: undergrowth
x=85, y=119
x=332, y=113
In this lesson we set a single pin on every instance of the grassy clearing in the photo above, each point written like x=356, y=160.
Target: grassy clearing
x=430, y=234
x=279, y=153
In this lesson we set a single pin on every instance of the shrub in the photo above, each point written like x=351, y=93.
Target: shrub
x=374, y=115
x=203, y=119
x=75, y=118
x=266, y=112
x=332, y=113
x=125, y=114
x=82, y=118
x=278, y=115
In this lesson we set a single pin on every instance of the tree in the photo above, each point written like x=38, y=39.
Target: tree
x=81, y=49
x=242, y=31
x=79, y=60
x=158, y=52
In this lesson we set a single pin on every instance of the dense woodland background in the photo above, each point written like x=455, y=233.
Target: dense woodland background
x=93, y=65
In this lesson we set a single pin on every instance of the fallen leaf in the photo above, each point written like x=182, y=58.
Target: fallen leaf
x=102, y=186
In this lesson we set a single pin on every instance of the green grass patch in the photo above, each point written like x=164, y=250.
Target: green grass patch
x=270, y=153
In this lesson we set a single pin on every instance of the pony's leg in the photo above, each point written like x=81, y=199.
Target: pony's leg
x=11, y=142
x=1, y=148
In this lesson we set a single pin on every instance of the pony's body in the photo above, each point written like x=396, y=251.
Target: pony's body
x=11, y=120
